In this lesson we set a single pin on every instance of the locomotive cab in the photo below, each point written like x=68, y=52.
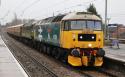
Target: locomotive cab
x=82, y=34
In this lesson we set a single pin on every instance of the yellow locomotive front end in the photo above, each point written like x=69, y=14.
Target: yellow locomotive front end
x=82, y=35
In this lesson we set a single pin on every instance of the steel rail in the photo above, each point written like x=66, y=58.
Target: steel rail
x=34, y=60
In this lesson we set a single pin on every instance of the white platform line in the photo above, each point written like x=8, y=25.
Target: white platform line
x=115, y=58
x=24, y=73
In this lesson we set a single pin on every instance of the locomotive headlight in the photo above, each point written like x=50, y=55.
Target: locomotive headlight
x=93, y=37
x=89, y=45
x=81, y=37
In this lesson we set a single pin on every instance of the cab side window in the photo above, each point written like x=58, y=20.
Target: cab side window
x=66, y=26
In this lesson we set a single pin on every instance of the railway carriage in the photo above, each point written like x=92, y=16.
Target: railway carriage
x=15, y=30
x=75, y=37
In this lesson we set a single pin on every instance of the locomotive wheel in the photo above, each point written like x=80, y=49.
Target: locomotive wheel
x=64, y=57
x=34, y=46
x=31, y=43
x=41, y=48
x=58, y=53
x=28, y=42
x=44, y=49
x=37, y=47
x=48, y=50
x=53, y=52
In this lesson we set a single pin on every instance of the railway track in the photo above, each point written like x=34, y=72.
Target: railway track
x=97, y=72
x=100, y=72
x=111, y=68
x=86, y=73
x=31, y=60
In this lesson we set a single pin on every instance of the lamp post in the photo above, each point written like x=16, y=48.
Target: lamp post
x=108, y=32
x=117, y=31
x=0, y=21
x=106, y=19
x=0, y=2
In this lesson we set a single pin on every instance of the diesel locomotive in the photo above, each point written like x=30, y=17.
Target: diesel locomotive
x=76, y=38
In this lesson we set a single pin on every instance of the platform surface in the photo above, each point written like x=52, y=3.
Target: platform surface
x=9, y=66
x=115, y=53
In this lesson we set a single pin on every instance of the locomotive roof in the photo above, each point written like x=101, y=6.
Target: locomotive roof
x=16, y=26
x=50, y=19
x=70, y=16
x=30, y=23
x=81, y=15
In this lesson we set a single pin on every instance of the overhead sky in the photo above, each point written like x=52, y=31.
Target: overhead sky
x=39, y=9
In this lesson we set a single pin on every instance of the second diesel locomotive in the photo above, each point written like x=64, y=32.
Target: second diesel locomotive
x=75, y=37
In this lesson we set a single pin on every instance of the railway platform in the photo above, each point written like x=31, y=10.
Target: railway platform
x=115, y=53
x=9, y=66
